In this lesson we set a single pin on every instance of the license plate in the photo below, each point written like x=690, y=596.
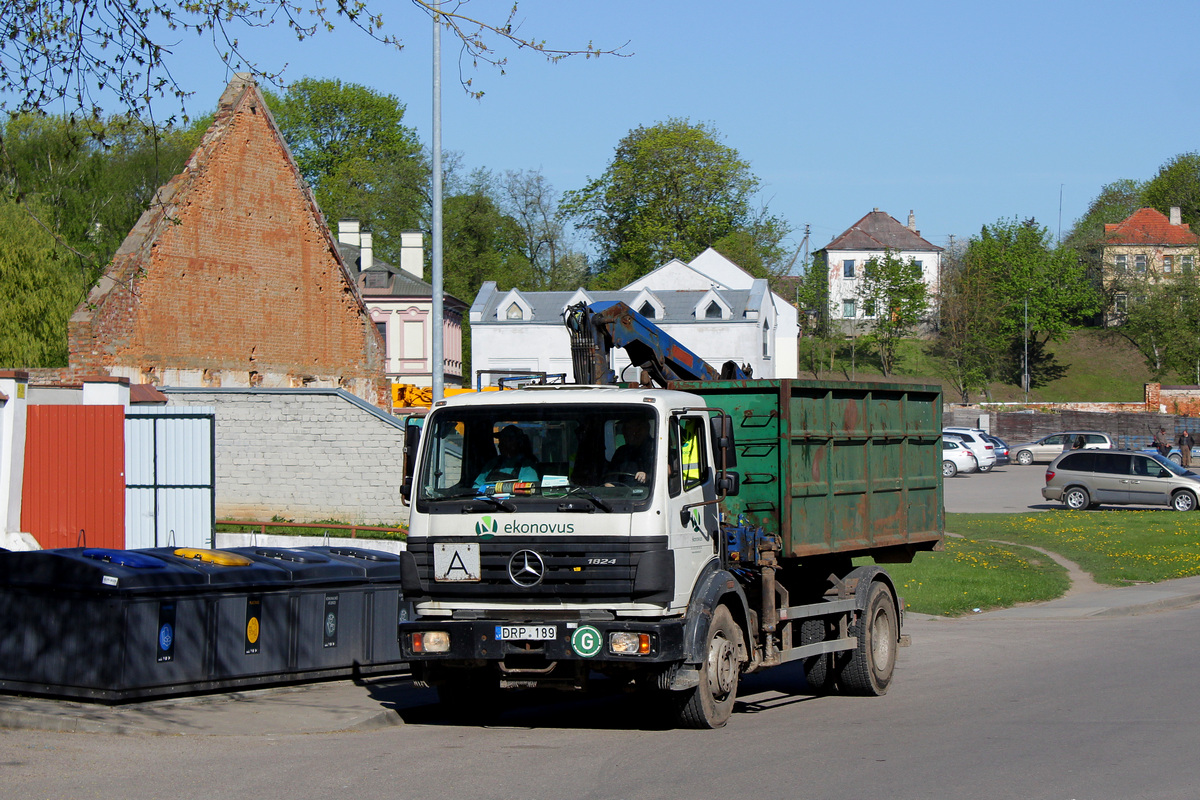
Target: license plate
x=540, y=633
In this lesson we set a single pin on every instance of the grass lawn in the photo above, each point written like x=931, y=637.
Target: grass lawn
x=971, y=573
x=1117, y=548
x=318, y=528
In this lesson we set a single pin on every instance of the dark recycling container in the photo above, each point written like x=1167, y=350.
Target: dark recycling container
x=327, y=608
x=96, y=622
x=123, y=624
x=385, y=606
x=249, y=610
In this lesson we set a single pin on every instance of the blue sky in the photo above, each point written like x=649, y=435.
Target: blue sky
x=962, y=112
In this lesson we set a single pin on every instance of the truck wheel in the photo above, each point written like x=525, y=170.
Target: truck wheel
x=818, y=670
x=869, y=670
x=710, y=704
x=1025, y=458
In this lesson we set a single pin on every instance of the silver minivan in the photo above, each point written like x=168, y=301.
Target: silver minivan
x=1088, y=478
x=1048, y=448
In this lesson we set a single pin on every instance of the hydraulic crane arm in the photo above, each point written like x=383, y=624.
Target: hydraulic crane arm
x=598, y=328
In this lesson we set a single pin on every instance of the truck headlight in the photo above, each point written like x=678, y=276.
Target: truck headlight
x=431, y=642
x=629, y=643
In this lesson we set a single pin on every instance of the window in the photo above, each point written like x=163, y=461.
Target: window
x=848, y=268
x=868, y=308
x=695, y=466
x=920, y=266
x=766, y=339
x=647, y=310
x=1139, y=262
x=1186, y=262
x=382, y=328
x=375, y=279
x=1121, y=303
x=1168, y=263
x=514, y=312
x=713, y=311
x=847, y=309
x=1122, y=263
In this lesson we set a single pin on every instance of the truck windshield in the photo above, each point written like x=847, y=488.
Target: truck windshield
x=540, y=451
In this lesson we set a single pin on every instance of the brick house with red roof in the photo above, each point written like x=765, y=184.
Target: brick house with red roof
x=231, y=278
x=1143, y=249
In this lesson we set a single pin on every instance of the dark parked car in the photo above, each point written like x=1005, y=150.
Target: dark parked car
x=1000, y=448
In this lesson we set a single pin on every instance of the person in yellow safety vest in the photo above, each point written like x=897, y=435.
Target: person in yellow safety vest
x=691, y=453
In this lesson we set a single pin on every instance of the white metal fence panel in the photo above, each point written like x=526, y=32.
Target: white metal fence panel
x=169, y=477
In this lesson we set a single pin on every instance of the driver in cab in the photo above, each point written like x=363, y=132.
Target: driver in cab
x=515, y=461
x=635, y=458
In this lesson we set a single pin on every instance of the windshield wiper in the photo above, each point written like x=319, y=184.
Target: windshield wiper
x=582, y=490
x=503, y=505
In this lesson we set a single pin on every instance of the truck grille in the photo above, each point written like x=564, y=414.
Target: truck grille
x=576, y=567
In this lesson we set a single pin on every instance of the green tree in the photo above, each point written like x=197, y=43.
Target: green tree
x=895, y=300
x=1115, y=202
x=40, y=286
x=818, y=341
x=671, y=191
x=352, y=146
x=90, y=182
x=967, y=344
x=1176, y=184
x=1021, y=269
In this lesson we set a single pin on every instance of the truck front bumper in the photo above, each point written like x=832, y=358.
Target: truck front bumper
x=595, y=641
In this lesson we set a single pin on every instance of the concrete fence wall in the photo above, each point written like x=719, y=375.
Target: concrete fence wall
x=303, y=454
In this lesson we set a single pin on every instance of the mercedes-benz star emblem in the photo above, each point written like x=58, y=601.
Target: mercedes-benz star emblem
x=526, y=568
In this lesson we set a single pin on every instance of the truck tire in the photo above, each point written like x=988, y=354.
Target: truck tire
x=710, y=704
x=869, y=670
x=818, y=670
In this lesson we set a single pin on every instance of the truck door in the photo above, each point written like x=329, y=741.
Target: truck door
x=690, y=479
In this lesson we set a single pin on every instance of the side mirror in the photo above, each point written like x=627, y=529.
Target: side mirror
x=406, y=490
x=722, y=437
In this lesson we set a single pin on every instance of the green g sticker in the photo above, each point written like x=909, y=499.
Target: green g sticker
x=586, y=641
x=486, y=527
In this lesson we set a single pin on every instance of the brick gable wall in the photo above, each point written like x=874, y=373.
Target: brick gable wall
x=232, y=278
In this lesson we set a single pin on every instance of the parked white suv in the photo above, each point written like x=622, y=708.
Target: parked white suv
x=985, y=452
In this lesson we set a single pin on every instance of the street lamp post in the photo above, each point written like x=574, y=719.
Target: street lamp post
x=1025, y=370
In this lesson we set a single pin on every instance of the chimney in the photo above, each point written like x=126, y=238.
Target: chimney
x=912, y=221
x=348, y=232
x=366, y=251
x=1176, y=218
x=412, y=253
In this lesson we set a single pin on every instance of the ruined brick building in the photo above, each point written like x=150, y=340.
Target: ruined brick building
x=231, y=278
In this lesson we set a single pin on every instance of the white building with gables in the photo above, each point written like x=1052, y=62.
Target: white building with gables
x=710, y=305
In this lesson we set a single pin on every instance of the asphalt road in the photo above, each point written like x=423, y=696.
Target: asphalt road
x=1000, y=705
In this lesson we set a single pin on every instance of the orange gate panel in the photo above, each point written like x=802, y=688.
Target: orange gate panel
x=74, y=486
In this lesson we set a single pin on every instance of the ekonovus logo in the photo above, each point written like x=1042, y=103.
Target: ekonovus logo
x=486, y=527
